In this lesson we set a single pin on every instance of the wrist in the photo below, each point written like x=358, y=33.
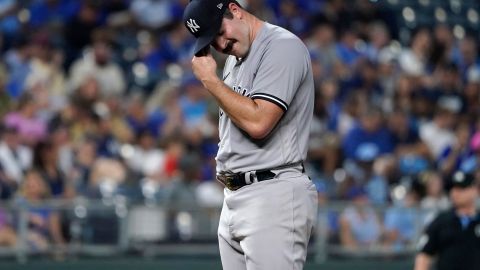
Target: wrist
x=212, y=83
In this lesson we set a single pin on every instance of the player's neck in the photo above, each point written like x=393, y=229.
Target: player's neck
x=256, y=24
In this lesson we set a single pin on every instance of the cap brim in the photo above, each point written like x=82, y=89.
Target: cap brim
x=207, y=38
x=202, y=42
x=462, y=185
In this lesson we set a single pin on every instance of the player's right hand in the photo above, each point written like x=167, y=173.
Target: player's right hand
x=205, y=68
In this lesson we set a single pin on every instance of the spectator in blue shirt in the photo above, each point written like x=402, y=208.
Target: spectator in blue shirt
x=370, y=132
x=401, y=221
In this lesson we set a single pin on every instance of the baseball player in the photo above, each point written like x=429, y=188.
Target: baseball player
x=266, y=99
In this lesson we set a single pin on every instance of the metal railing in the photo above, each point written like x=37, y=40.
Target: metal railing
x=115, y=227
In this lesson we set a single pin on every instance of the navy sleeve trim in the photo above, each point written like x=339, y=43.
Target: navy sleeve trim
x=282, y=104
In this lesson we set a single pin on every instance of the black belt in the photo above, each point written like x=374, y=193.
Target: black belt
x=234, y=181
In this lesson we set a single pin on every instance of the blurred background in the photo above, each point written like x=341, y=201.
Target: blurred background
x=107, y=141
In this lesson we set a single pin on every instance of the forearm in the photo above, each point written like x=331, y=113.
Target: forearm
x=422, y=262
x=247, y=114
x=255, y=117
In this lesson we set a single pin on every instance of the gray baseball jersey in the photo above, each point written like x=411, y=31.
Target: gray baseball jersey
x=277, y=69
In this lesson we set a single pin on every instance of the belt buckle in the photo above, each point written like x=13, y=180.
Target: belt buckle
x=227, y=180
x=229, y=183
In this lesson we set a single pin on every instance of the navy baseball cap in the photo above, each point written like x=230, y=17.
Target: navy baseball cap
x=203, y=19
x=462, y=180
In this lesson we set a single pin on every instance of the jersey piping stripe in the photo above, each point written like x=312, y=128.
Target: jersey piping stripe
x=282, y=104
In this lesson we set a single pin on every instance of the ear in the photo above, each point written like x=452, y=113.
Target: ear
x=235, y=10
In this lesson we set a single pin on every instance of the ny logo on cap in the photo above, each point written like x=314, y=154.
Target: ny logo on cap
x=192, y=24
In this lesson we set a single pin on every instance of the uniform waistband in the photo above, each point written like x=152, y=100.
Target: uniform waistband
x=234, y=181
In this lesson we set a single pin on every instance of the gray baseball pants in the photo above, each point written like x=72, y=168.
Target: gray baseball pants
x=267, y=225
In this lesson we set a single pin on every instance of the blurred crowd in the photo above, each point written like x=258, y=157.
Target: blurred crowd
x=98, y=101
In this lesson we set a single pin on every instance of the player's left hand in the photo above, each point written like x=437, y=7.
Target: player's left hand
x=205, y=68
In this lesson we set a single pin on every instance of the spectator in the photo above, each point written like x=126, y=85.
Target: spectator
x=347, y=52
x=181, y=196
x=402, y=222
x=379, y=38
x=324, y=145
x=44, y=227
x=45, y=160
x=414, y=60
x=369, y=133
x=15, y=158
x=80, y=29
x=404, y=91
x=352, y=107
x=457, y=156
x=7, y=186
x=175, y=46
x=472, y=163
x=113, y=109
x=466, y=55
x=365, y=80
x=141, y=121
x=146, y=156
x=108, y=143
x=61, y=140
x=17, y=60
x=321, y=45
x=182, y=188
x=193, y=104
x=8, y=236
x=471, y=93
x=46, y=80
x=9, y=22
x=437, y=134
x=448, y=85
x=106, y=179
x=328, y=219
x=31, y=128
x=86, y=95
x=85, y=154
x=360, y=226
x=98, y=63
x=411, y=153
x=435, y=199
x=443, y=44
x=174, y=149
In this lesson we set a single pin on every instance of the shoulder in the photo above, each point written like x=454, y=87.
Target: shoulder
x=278, y=38
x=443, y=217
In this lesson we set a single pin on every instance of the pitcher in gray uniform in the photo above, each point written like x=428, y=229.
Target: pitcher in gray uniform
x=266, y=97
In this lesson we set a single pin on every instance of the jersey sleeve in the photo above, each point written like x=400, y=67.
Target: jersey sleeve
x=283, y=68
x=428, y=242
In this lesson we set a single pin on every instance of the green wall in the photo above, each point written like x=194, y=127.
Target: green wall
x=187, y=264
